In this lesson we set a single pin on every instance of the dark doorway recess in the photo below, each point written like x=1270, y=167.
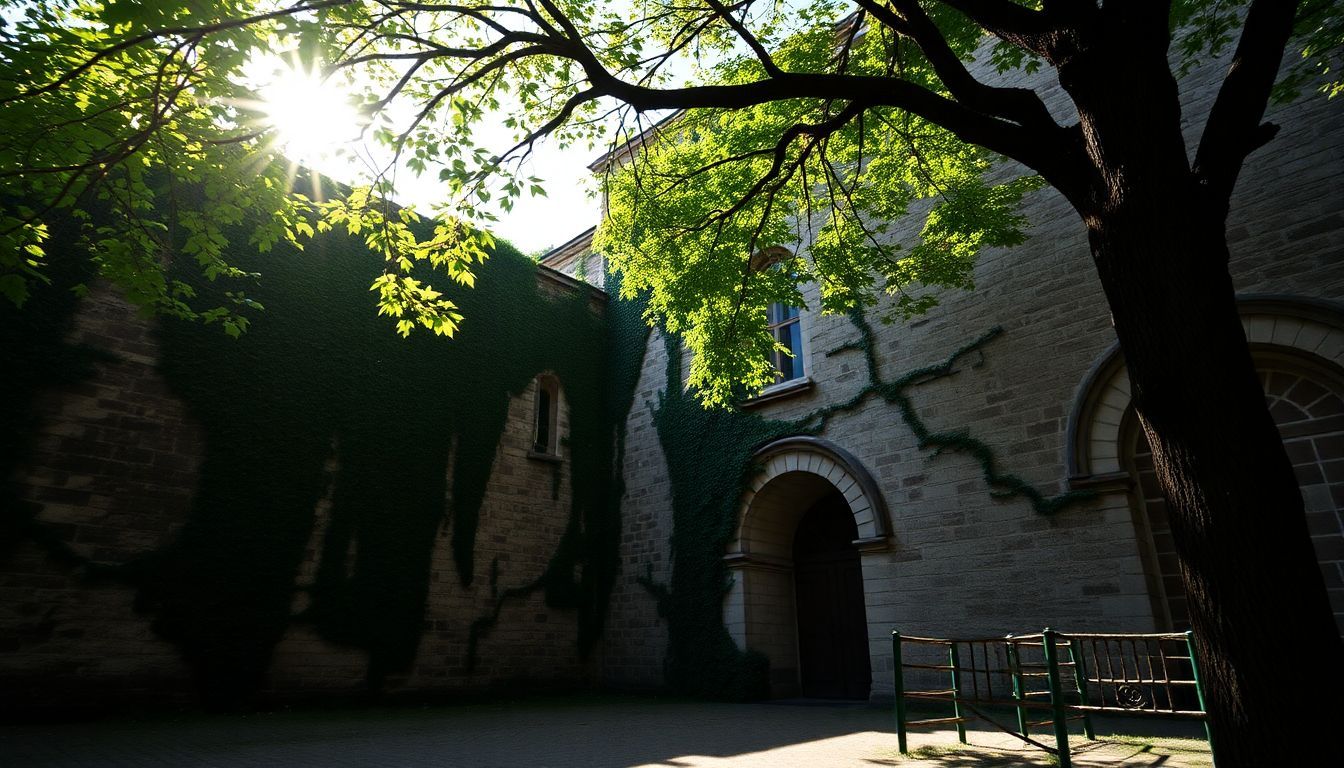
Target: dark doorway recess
x=832, y=624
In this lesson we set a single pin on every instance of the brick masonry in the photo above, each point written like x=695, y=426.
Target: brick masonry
x=114, y=467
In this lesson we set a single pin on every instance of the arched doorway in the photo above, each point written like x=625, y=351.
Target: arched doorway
x=828, y=591
x=806, y=521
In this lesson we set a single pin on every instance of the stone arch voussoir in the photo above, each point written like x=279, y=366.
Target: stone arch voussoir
x=1306, y=327
x=819, y=459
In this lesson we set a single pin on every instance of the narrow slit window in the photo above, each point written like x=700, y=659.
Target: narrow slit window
x=545, y=437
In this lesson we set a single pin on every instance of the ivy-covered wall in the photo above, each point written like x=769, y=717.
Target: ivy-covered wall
x=340, y=479
x=321, y=506
x=708, y=457
x=969, y=458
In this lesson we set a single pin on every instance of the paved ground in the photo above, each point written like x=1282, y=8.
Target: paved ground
x=606, y=732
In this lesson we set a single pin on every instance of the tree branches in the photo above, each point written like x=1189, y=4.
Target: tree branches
x=1234, y=130
x=197, y=32
x=880, y=84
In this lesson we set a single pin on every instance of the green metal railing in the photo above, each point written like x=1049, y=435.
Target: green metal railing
x=1065, y=677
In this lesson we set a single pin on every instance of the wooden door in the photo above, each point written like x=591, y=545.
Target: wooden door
x=832, y=623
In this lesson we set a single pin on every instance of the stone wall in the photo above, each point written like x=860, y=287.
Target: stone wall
x=112, y=466
x=960, y=562
x=113, y=470
x=635, y=640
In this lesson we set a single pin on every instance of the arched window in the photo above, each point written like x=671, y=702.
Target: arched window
x=546, y=417
x=1306, y=400
x=1298, y=346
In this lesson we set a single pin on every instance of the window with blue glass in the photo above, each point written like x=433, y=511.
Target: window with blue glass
x=786, y=327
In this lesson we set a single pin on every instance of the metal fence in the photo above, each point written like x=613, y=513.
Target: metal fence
x=1054, y=677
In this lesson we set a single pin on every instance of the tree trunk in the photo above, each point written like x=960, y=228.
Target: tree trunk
x=1265, y=638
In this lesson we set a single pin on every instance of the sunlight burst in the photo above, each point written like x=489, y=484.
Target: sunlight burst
x=312, y=116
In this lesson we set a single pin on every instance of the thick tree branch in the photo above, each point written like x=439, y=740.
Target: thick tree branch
x=570, y=30
x=1009, y=22
x=1234, y=130
x=1026, y=146
x=1002, y=16
x=1021, y=105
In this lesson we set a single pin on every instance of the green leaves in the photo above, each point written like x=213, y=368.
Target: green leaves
x=119, y=136
x=1320, y=65
x=135, y=118
x=149, y=141
x=831, y=184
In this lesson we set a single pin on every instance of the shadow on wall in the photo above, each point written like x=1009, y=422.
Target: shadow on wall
x=709, y=461
x=36, y=357
x=321, y=377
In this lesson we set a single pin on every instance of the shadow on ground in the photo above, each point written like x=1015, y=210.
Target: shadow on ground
x=1106, y=751
x=609, y=731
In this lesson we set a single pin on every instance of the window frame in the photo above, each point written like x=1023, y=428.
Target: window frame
x=797, y=360
x=786, y=388
x=547, y=393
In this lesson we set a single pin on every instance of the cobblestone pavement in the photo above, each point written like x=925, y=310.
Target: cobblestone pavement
x=606, y=732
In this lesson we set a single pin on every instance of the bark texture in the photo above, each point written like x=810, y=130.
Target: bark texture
x=1265, y=637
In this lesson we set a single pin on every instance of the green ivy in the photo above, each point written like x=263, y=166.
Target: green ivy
x=708, y=454
x=322, y=374
x=37, y=359
x=594, y=549
x=321, y=398
x=709, y=465
x=319, y=381
x=1002, y=485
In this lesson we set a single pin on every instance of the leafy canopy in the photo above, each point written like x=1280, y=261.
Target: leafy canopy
x=716, y=188
x=815, y=127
